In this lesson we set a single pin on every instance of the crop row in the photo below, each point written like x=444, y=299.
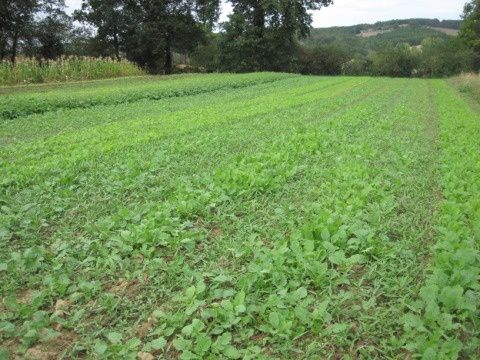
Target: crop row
x=13, y=106
x=444, y=322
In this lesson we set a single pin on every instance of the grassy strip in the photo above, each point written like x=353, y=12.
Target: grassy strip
x=13, y=106
x=444, y=322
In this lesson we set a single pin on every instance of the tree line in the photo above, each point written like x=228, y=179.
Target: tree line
x=260, y=35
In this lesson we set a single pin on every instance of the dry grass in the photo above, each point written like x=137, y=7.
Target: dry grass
x=468, y=84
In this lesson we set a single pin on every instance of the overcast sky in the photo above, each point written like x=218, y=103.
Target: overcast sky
x=352, y=12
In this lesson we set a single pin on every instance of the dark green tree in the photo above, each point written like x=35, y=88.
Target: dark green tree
x=17, y=22
x=38, y=27
x=470, y=28
x=169, y=26
x=262, y=34
x=109, y=19
x=322, y=60
x=53, y=30
x=445, y=57
x=396, y=61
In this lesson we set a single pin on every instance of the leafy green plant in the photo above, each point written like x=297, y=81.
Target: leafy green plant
x=240, y=216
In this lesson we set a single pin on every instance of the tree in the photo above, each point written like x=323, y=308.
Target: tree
x=322, y=60
x=159, y=28
x=149, y=31
x=108, y=17
x=262, y=34
x=53, y=30
x=444, y=57
x=470, y=28
x=34, y=25
x=396, y=61
x=17, y=22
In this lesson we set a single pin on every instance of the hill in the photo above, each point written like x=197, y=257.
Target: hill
x=364, y=38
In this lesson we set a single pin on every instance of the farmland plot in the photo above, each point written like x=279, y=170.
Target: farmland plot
x=256, y=216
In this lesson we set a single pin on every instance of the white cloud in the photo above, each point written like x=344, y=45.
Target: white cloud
x=351, y=12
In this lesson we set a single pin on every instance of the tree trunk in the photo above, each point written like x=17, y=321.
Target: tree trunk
x=3, y=47
x=116, y=45
x=259, y=19
x=14, y=47
x=168, y=67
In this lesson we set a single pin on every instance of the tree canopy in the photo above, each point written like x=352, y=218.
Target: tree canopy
x=260, y=34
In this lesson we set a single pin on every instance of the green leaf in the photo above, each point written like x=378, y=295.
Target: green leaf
x=100, y=347
x=274, y=319
x=309, y=246
x=231, y=352
x=337, y=258
x=114, y=337
x=339, y=327
x=4, y=354
x=222, y=341
x=182, y=344
x=190, y=292
x=452, y=297
x=299, y=294
x=325, y=234
x=133, y=343
x=203, y=344
x=158, y=344
x=430, y=354
x=7, y=327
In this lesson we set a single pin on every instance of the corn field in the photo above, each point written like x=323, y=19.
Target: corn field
x=27, y=70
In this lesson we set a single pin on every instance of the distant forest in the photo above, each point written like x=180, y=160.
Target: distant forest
x=185, y=36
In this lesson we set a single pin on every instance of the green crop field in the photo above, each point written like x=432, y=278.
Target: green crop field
x=253, y=216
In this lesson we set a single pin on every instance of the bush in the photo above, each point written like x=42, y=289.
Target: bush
x=445, y=57
x=399, y=61
x=322, y=60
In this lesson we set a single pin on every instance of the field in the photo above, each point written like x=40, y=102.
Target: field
x=253, y=216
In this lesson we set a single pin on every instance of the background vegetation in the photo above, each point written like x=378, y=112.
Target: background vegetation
x=184, y=36
x=65, y=69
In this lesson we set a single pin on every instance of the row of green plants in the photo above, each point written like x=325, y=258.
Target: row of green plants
x=63, y=69
x=444, y=322
x=127, y=91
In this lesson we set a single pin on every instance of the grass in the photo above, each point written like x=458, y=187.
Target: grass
x=65, y=69
x=240, y=216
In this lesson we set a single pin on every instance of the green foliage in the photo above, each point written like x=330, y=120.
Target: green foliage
x=444, y=57
x=443, y=323
x=469, y=30
x=148, y=32
x=239, y=216
x=398, y=61
x=38, y=27
x=322, y=60
x=131, y=90
x=261, y=35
